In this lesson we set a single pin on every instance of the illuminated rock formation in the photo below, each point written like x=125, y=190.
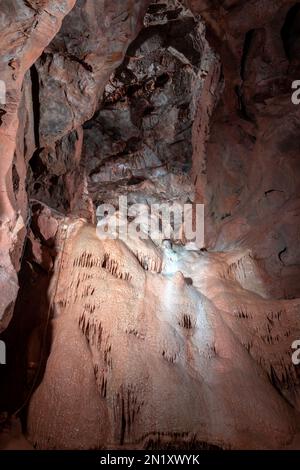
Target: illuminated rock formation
x=192, y=356
x=149, y=343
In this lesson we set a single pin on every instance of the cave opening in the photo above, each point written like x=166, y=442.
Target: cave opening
x=35, y=103
x=290, y=33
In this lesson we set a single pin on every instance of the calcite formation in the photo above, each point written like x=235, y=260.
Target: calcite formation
x=140, y=342
x=188, y=343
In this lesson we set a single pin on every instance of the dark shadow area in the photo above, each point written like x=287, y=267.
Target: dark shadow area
x=290, y=34
x=27, y=339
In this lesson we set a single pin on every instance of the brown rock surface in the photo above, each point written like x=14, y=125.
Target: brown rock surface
x=249, y=168
x=25, y=32
x=150, y=343
x=164, y=362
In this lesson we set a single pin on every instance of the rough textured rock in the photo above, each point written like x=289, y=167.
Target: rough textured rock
x=76, y=66
x=26, y=29
x=170, y=363
x=249, y=169
x=81, y=60
x=71, y=75
x=144, y=127
x=11, y=437
x=144, y=343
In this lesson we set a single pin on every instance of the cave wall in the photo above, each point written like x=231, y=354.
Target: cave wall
x=247, y=172
x=87, y=119
x=72, y=73
x=26, y=29
x=61, y=91
x=244, y=170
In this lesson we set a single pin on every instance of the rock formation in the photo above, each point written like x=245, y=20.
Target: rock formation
x=145, y=342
